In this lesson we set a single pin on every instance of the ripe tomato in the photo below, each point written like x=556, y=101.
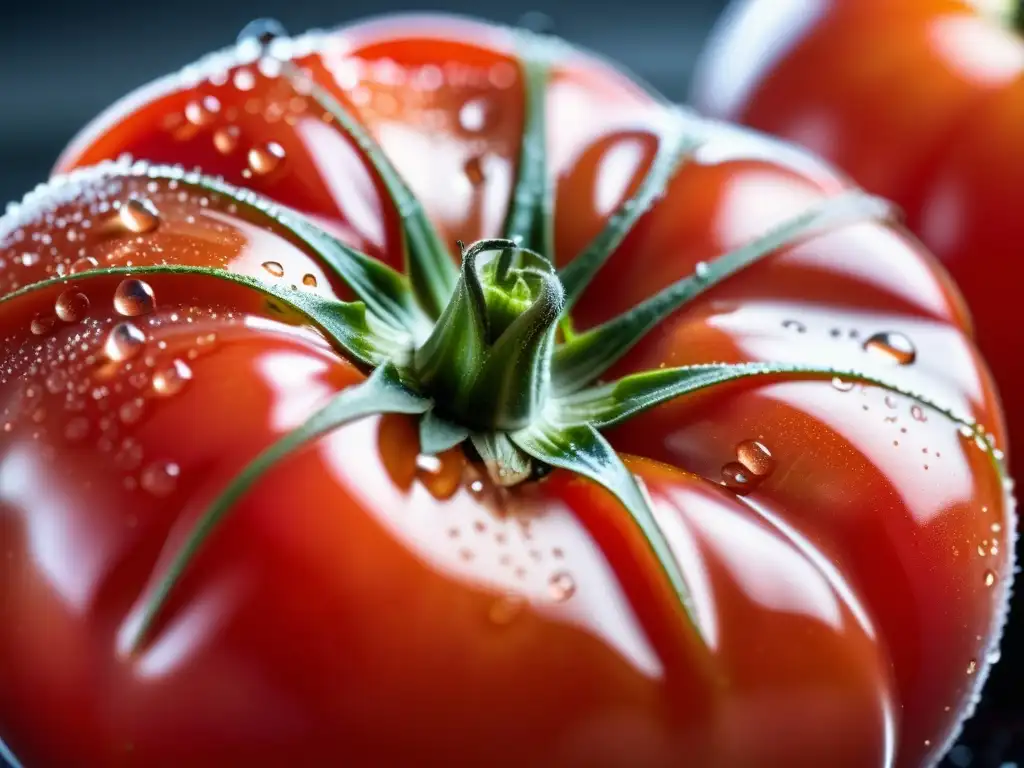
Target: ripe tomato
x=837, y=548
x=920, y=101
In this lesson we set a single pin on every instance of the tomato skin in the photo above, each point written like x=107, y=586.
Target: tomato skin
x=371, y=610
x=918, y=101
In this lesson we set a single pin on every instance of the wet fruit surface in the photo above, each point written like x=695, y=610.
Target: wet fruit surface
x=846, y=547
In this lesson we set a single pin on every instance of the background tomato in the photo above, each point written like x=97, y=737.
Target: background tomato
x=848, y=581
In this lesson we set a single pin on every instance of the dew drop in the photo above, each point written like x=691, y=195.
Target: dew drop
x=42, y=324
x=139, y=216
x=473, y=116
x=264, y=31
x=84, y=264
x=76, y=429
x=506, y=609
x=172, y=379
x=736, y=477
x=133, y=298
x=266, y=159
x=160, y=478
x=274, y=268
x=123, y=342
x=71, y=306
x=561, y=586
x=309, y=280
x=794, y=325
x=972, y=666
x=225, y=140
x=474, y=170
x=702, y=270
x=131, y=411
x=842, y=386
x=892, y=346
x=990, y=578
x=755, y=457
x=201, y=111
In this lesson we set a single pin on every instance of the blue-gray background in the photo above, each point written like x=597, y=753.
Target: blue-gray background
x=61, y=62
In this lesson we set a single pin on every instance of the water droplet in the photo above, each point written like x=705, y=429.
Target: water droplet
x=736, y=477
x=266, y=159
x=892, y=346
x=990, y=578
x=172, y=379
x=139, y=216
x=264, y=31
x=123, y=342
x=473, y=115
x=76, y=429
x=42, y=324
x=841, y=385
x=160, y=478
x=133, y=298
x=972, y=666
x=794, y=325
x=84, y=264
x=562, y=586
x=309, y=280
x=274, y=268
x=755, y=457
x=71, y=306
x=225, y=140
x=505, y=609
x=56, y=381
x=201, y=111
x=702, y=270
x=131, y=411
x=474, y=170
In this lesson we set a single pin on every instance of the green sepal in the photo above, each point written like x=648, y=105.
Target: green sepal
x=530, y=219
x=582, y=449
x=382, y=392
x=437, y=434
x=505, y=463
x=428, y=262
x=385, y=292
x=584, y=358
x=448, y=361
x=360, y=336
x=674, y=146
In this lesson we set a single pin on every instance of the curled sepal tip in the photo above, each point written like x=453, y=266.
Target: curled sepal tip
x=382, y=392
x=505, y=463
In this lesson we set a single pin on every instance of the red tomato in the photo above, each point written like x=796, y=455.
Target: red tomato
x=920, y=101
x=844, y=546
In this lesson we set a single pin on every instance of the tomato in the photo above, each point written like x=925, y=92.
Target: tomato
x=791, y=568
x=919, y=101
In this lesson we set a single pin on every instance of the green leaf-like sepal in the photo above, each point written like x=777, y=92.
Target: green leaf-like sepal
x=530, y=219
x=584, y=358
x=428, y=262
x=437, y=434
x=361, y=337
x=674, y=146
x=382, y=392
x=505, y=463
x=582, y=449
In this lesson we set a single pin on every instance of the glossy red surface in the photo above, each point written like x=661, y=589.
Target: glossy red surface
x=367, y=606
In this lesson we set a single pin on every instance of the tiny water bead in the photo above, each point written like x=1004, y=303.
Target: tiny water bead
x=794, y=325
x=473, y=115
x=124, y=341
x=309, y=280
x=561, y=586
x=42, y=324
x=892, y=346
x=274, y=268
x=71, y=306
x=225, y=140
x=990, y=578
x=842, y=385
x=266, y=159
x=172, y=379
x=160, y=478
x=84, y=264
x=133, y=298
x=139, y=216
x=201, y=112
x=972, y=666
x=264, y=31
x=755, y=457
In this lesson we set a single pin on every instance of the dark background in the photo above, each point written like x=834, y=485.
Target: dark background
x=62, y=62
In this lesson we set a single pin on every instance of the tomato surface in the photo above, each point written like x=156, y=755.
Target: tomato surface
x=920, y=101
x=846, y=547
